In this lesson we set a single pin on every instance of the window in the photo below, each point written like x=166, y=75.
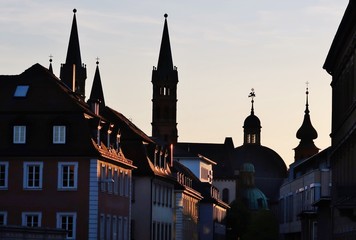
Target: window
x=21, y=91
x=19, y=134
x=108, y=227
x=3, y=218
x=4, y=174
x=102, y=227
x=120, y=228
x=59, y=134
x=67, y=175
x=110, y=179
x=126, y=229
x=31, y=219
x=114, y=228
x=32, y=176
x=67, y=221
x=116, y=182
x=103, y=178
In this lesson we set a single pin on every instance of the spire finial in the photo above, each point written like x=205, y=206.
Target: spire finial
x=252, y=95
x=307, y=98
x=165, y=15
x=50, y=63
x=74, y=11
x=97, y=60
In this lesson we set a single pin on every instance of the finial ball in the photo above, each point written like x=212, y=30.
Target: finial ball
x=165, y=15
x=74, y=10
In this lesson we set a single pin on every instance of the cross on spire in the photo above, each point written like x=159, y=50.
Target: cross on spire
x=252, y=95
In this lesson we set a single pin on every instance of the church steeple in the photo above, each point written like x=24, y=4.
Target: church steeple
x=50, y=64
x=306, y=133
x=73, y=73
x=164, y=100
x=252, y=124
x=165, y=62
x=96, y=98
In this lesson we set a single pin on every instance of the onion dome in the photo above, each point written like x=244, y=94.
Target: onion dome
x=306, y=133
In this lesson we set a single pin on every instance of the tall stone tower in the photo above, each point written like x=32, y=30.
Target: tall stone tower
x=164, y=100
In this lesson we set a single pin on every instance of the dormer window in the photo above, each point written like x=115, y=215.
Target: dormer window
x=21, y=91
x=19, y=136
x=59, y=134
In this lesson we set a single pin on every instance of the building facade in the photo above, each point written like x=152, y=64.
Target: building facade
x=340, y=64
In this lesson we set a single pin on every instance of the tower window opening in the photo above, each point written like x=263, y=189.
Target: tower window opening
x=253, y=138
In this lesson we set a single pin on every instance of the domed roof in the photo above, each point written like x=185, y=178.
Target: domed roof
x=270, y=169
x=254, y=198
x=266, y=162
x=252, y=121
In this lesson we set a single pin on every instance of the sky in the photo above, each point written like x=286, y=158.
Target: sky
x=222, y=50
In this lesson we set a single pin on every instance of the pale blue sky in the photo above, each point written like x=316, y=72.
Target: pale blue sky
x=222, y=49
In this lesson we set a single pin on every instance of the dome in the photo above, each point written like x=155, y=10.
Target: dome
x=270, y=169
x=252, y=121
x=307, y=131
x=254, y=199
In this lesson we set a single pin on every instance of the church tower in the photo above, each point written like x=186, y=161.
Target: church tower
x=252, y=125
x=164, y=100
x=73, y=73
x=306, y=133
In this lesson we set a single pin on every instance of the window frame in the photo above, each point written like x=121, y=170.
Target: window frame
x=73, y=215
x=31, y=214
x=59, y=134
x=26, y=173
x=4, y=214
x=61, y=166
x=19, y=134
x=6, y=175
x=21, y=91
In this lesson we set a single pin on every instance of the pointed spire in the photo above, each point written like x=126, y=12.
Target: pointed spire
x=50, y=64
x=97, y=93
x=306, y=133
x=73, y=53
x=165, y=61
x=73, y=72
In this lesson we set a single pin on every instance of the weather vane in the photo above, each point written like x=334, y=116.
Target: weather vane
x=252, y=93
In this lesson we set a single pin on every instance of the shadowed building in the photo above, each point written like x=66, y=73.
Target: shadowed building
x=340, y=64
x=61, y=162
